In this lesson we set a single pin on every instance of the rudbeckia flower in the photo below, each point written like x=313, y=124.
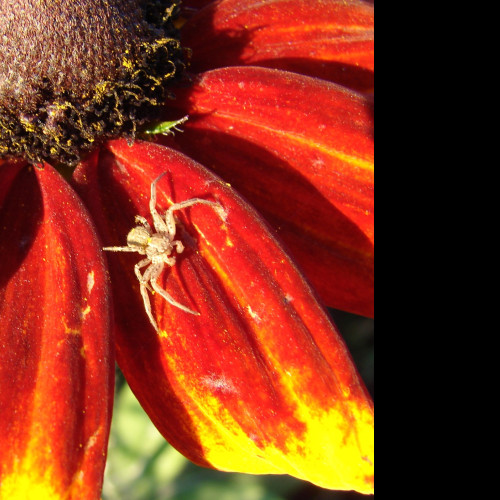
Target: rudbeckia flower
x=215, y=309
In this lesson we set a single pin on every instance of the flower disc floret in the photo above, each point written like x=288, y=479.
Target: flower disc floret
x=70, y=78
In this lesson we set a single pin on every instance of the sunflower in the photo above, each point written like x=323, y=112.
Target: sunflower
x=246, y=128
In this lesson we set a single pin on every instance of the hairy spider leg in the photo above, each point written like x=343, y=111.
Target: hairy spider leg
x=168, y=225
x=144, y=287
x=170, y=299
x=179, y=247
x=169, y=214
x=142, y=220
x=151, y=274
x=120, y=249
x=142, y=280
x=147, y=305
x=158, y=222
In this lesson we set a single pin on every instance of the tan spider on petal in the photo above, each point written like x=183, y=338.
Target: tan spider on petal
x=157, y=245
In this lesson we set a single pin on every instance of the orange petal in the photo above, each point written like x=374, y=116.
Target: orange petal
x=260, y=381
x=301, y=150
x=331, y=40
x=56, y=370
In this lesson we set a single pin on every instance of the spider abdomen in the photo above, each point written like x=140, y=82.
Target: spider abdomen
x=138, y=238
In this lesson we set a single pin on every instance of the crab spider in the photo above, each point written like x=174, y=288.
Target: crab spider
x=157, y=245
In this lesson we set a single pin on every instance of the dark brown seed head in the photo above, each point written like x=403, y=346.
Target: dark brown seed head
x=76, y=72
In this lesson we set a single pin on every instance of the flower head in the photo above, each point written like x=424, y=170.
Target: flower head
x=259, y=379
x=86, y=71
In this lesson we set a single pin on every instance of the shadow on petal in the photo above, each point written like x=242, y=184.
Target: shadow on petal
x=301, y=150
x=20, y=222
x=335, y=254
x=332, y=40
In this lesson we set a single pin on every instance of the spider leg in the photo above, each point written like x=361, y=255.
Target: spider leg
x=143, y=221
x=170, y=299
x=152, y=274
x=143, y=279
x=147, y=305
x=144, y=287
x=119, y=249
x=152, y=203
x=178, y=246
x=157, y=220
x=169, y=214
x=170, y=260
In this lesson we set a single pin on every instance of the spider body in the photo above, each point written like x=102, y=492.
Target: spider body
x=158, y=245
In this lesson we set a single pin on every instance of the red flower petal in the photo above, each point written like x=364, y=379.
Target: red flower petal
x=301, y=150
x=260, y=381
x=331, y=40
x=56, y=370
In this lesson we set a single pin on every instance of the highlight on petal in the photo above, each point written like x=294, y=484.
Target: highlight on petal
x=301, y=150
x=57, y=367
x=333, y=40
x=260, y=381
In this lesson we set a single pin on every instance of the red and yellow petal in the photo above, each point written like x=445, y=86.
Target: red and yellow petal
x=301, y=150
x=260, y=381
x=331, y=39
x=57, y=366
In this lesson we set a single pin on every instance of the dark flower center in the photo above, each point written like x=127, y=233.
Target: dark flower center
x=76, y=72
